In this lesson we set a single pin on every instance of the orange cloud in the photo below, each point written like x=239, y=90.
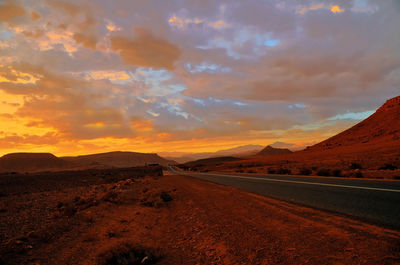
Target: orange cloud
x=86, y=40
x=146, y=50
x=69, y=8
x=35, y=15
x=336, y=9
x=141, y=125
x=9, y=11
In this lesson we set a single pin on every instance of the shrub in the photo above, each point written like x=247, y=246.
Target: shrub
x=126, y=253
x=337, y=172
x=355, y=165
x=283, y=171
x=358, y=174
x=251, y=171
x=271, y=171
x=305, y=171
x=388, y=167
x=396, y=177
x=156, y=198
x=165, y=196
x=324, y=172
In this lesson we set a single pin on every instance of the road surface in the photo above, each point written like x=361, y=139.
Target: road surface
x=374, y=201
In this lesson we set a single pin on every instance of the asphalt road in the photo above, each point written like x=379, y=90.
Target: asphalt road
x=374, y=201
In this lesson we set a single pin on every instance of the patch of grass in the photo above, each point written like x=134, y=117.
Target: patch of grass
x=128, y=254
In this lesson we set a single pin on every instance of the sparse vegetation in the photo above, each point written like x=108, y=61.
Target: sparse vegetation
x=357, y=174
x=324, y=172
x=337, y=172
x=388, y=166
x=165, y=196
x=128, y=254
x=355, y=165
x=305, y=171
x=283, y=171
x=155, y=198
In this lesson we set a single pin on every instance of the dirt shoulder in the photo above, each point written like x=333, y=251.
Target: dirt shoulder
x=204, y=223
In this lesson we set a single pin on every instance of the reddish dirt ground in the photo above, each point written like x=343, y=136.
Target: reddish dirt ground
x=204, y=223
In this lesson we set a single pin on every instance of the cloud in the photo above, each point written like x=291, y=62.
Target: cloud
x=146, y=50
x=35, y=15
x=10, y=10
x=195, y=75
x=68, y=8
x=87, y=41
x=333, y=8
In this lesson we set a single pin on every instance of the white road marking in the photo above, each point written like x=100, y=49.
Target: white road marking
x=307, y=183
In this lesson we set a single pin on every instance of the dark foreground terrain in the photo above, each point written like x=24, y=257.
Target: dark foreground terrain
x=176, y=220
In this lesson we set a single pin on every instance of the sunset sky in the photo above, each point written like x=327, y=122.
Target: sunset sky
x=79, y=77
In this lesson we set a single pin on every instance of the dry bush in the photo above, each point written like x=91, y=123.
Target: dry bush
x=388, y=167
x=155, y=198
x=305, y=171
x=324, y=172
x=337, y=172
x=283, y=171
x=110, y=196
x=357, y=174
x=128, y=254
x=355, y=165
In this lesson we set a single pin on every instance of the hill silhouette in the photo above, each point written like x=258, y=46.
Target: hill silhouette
x=381, y=127
x=27, y=162
x=36, y=162
x=373, y=145
x=270, y=151
x=117, y=159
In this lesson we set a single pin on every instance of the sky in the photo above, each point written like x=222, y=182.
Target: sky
x=177, y=76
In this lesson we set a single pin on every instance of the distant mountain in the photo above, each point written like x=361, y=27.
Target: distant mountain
x=35, y=162
x=28, y=162
x=117, y=159
x=382, y=128
x=271, y=151
x=240, y=151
